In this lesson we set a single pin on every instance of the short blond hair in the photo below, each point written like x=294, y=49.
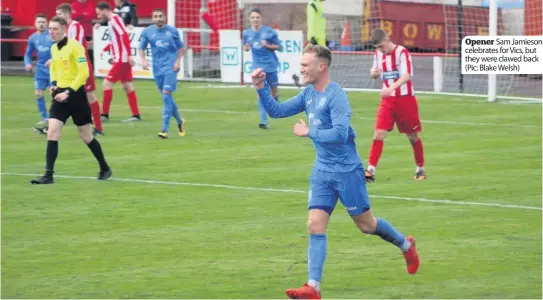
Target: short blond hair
x=321, y=52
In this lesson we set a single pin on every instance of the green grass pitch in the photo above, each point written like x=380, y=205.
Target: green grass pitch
x=221, y=212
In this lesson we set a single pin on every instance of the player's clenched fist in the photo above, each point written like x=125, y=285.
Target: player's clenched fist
x=300, y=128
x=258, y=77
x=375, y=72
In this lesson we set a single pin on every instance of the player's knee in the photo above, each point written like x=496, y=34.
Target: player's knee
x=316, y=225
x=53, y=132
x=380, y=134
x=367, y=226
x=127, y=87
x=38, y=93
x=413, y=138
x=107, y=85
x=86, y=136
x=91, y=97
x=165, y=92
x=365, y=222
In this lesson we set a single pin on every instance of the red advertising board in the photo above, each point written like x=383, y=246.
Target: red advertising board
x=426, y=25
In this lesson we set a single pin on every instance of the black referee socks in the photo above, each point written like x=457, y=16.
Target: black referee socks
x=50, y=157
x=96, y=150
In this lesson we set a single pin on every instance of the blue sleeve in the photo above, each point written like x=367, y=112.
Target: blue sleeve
x=29, y=51
x=340, y=113
x=291, y=107
x=177, y=39
x=144, y=41
x=275, y=40
x=244, y=37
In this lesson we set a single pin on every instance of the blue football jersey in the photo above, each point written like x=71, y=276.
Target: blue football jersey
x=329, y=115
x=165, y=43
x=41, y=43
x=262, y=57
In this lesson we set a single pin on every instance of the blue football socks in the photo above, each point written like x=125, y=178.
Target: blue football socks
x=166, y=111
x=316, y=256
x=41, y=107
x=175, y=112
x=388, y=233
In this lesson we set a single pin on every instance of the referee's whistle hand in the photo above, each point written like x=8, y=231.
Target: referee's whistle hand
x=61, y=97
x=52, y=89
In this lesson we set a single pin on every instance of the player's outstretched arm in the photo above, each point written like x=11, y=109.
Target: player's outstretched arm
x=340, y=112
x=276, y=110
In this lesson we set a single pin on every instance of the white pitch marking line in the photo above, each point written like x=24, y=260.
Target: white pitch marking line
x=234, y=187
x=230, y=112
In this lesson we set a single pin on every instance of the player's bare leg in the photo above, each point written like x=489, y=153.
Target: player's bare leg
x=368, y=224
x=316, y=226
x=53, y=135
x=132, y=101
x=108, y=97
x=375, y=153
x=95, y=110
x=86, y=135
x=416, y=143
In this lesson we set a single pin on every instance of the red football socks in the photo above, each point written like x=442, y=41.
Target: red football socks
x=133, y=102
x=108, y=96
x=95, y=110
x=375, y=152
x=419, y=153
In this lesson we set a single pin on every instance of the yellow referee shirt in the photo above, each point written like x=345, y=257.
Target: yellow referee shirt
x=69, y=67
x=316, y=22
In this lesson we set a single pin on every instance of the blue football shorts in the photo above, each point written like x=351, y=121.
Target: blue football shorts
x=41, y=84
x=167, y=82
x=272, y=79
x=349, y=187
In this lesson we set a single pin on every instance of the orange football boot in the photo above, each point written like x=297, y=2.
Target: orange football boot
x=305, y=292
x=411, y=257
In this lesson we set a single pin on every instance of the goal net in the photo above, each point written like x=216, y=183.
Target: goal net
x=431, y=29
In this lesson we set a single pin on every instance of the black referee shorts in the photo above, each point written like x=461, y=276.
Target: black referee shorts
x=76, y=106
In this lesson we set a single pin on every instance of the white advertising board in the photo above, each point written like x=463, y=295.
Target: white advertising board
x=232, y=54
x=102, y=66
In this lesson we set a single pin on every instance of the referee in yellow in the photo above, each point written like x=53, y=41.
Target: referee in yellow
x=69, y=71
x=316, y=23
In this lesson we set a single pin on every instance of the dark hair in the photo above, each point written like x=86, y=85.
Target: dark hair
x=378, y=36
x=65, y=7
x=40, y=15
x=255, y=10
x=59, y=20
x=321, y=52
x=159, y=10
x=103, y=5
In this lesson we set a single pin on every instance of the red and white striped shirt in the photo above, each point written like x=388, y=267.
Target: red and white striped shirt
x=119, y=39
x=394, y=65
x=75, y=31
